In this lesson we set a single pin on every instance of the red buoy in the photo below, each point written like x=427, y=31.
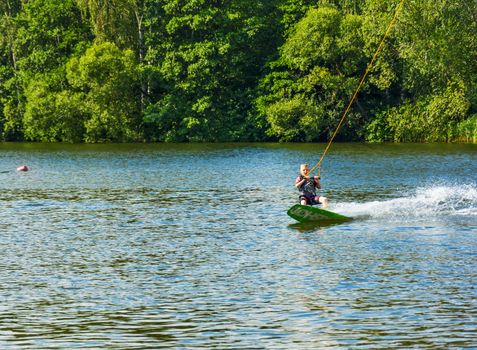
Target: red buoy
x=22, y=168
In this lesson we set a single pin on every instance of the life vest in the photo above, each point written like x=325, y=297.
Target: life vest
x=308, y=188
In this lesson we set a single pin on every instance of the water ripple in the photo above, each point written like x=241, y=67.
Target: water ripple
x=120, y=260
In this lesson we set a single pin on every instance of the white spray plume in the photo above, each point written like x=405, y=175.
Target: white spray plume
x=429, y=202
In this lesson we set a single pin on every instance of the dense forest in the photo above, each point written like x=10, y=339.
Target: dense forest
x=236, y=70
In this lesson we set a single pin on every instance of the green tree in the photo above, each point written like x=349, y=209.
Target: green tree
x=42, y=34
x=49, y=32
x=432, y=86
x=93, y=98
x=314, y=76
x=116, y=21
x=108, y=79
x=207, y=59
x=437, y=39
x=430, y=118
x=11, y=93
x=53, y=114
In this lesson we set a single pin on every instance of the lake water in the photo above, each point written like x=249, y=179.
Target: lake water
x=189, y=247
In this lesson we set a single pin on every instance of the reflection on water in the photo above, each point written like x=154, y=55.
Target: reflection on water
x=189, y=246
x=316, y=226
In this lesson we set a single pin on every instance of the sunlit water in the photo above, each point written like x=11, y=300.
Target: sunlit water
x=189, y=246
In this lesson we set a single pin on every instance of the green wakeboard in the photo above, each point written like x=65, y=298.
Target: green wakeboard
x=306, y=213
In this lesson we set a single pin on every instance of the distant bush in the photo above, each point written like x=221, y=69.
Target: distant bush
x=433, y=118
x=466, y=131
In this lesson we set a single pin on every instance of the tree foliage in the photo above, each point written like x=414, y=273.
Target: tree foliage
x=314, y=76
x=196, y=70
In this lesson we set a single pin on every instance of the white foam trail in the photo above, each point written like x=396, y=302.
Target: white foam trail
x=426, y=202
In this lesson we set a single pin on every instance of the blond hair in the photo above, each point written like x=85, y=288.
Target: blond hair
x=303, y=167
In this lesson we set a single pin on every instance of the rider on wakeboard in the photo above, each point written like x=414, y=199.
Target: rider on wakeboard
x=307, y=187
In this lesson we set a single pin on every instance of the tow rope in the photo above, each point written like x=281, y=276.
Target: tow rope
x=368, y=68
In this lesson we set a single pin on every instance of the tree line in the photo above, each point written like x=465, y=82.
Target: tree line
x=236, y=70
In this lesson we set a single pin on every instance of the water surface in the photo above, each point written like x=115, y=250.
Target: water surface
x=189, y=246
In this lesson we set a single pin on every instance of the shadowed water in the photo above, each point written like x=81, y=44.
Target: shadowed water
x=189, y=246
